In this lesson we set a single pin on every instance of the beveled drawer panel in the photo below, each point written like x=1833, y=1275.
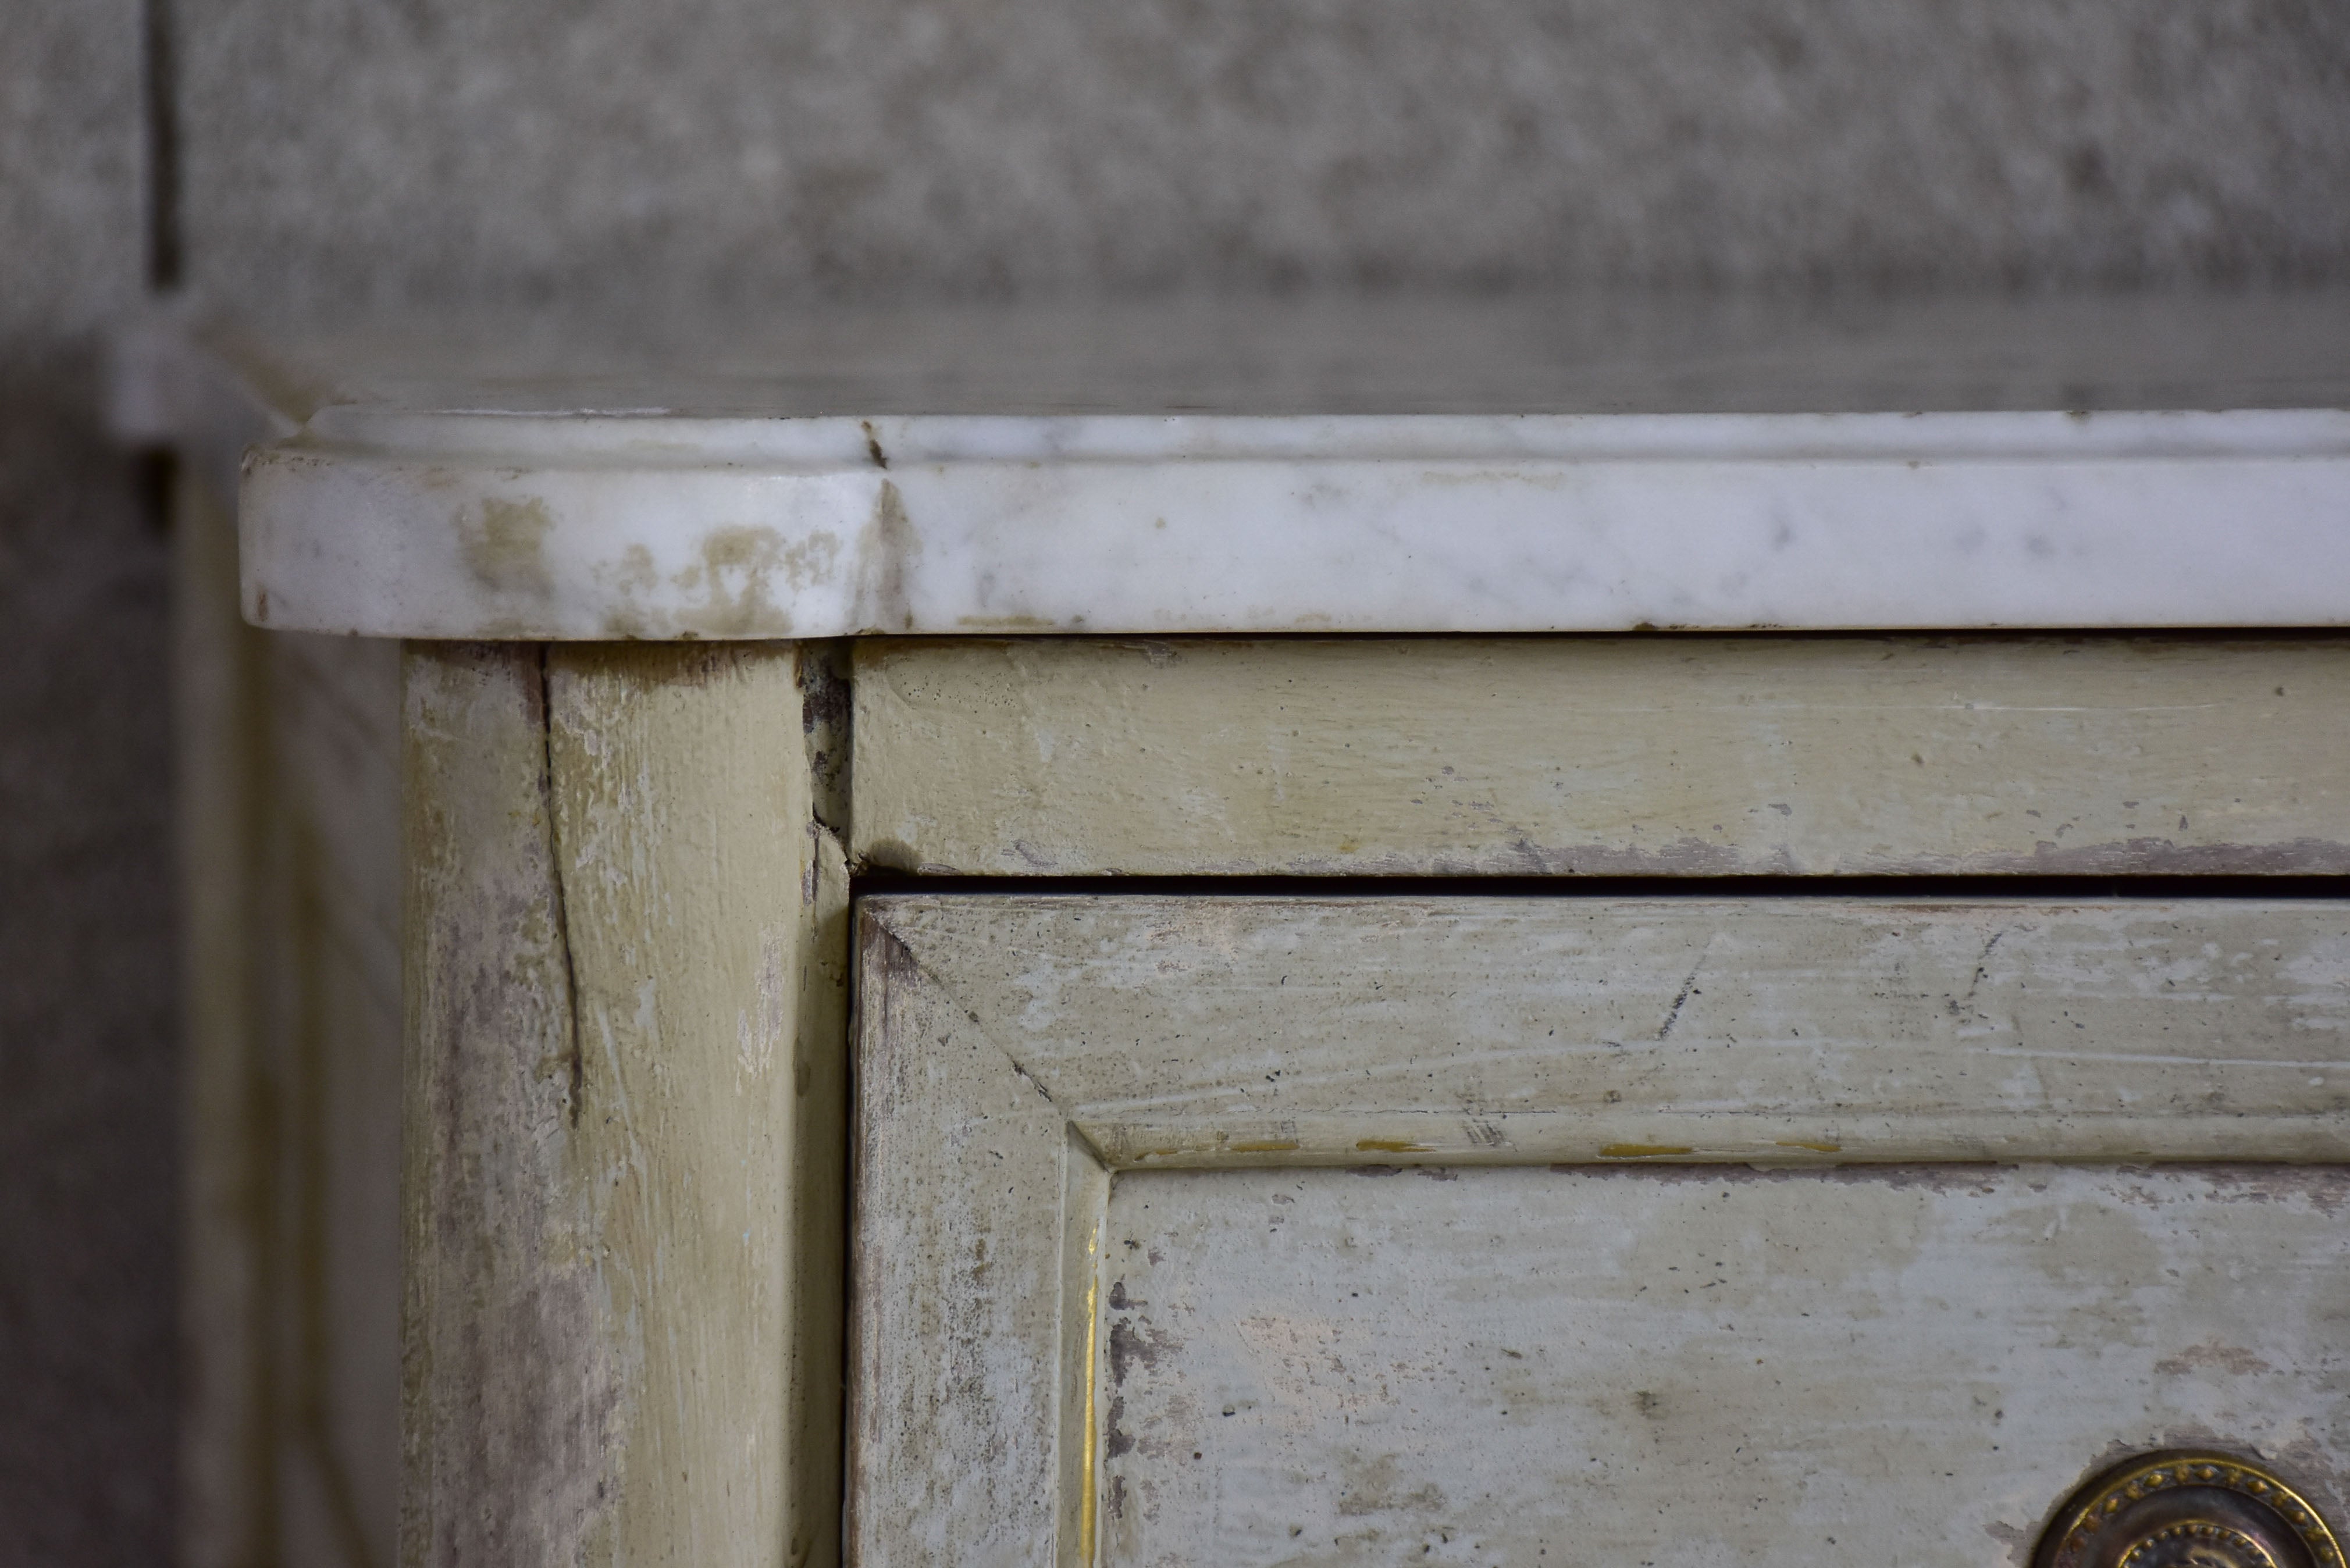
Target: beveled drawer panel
x=1363, y=1230
x=1194, y=1031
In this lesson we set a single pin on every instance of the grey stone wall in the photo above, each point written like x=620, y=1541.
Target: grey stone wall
x=341, y=154
x=88, y=1229
x=359, y=150
x=88, y=1100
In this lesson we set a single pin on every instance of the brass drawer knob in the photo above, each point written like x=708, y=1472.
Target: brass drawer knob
x=2189, y=1510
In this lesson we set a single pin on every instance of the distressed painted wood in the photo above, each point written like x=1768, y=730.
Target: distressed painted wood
x=1487, y=1220
x=1868, y=1366
x=1179, y=1031
x=622, y=1319
x=965, y=1395
x=1665, y=756
x=505, y=1377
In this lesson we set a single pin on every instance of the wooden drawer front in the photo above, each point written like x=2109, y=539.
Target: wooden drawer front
x=1263, y=1231
x=1664, y=757
x=1192, y=1031
x=1873, y=1366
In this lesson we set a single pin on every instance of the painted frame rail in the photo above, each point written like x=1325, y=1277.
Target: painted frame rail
x=1020, y=1056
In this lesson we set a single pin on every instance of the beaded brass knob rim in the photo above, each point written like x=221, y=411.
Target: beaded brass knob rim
x=2189, y=1510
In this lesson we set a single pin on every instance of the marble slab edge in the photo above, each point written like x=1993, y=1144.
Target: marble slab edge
x=550, y=527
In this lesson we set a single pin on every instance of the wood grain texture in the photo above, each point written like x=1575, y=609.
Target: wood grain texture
x=621, y=1252
x=507, y=1380
x=968, y=1185
x=1658, y=756
x=1180, y=1030
x=1901, y=1365
x=1454, y=1349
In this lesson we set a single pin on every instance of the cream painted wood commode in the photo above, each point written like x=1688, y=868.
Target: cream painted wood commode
x=1112, y=935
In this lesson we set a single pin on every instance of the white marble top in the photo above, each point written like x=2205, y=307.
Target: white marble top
x=1352, y=466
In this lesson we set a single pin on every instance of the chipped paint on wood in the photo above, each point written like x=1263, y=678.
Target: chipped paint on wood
x=1197, y=1031
x=619, y=1254
x=1681, y=756
x=1491, y=1357
x=968, y=1183
x=504, y=1376
x=1605, y=1367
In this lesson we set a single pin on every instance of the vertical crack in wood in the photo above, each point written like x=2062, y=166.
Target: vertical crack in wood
x=578, y=1066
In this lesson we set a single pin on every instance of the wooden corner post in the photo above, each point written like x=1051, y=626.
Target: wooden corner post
x=624, y=1116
